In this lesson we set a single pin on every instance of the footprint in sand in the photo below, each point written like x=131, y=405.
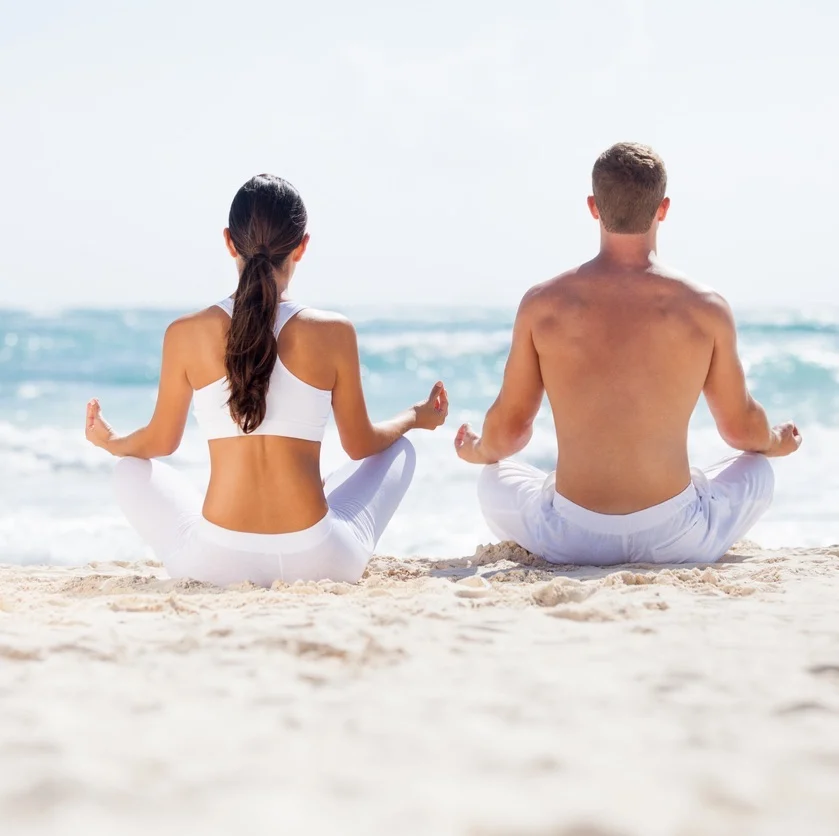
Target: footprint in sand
x=829, y=672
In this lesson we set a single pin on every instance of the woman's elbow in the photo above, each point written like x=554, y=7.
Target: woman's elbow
x=358, y=446
x=164, y=446
x=356, y=453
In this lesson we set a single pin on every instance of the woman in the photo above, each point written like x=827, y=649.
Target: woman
x=264, y=373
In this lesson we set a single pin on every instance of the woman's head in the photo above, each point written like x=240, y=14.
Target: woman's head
x=267, y=234
x=267, y=217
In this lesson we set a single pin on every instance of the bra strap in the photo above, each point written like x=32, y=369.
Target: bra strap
x=226, y=305
x=285, y=311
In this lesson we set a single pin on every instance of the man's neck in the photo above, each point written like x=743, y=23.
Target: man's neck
x=629, y=250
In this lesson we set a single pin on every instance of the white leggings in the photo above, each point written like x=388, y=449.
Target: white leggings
x=165, y=510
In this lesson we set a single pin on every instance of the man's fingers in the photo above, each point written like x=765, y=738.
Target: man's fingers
x=789, y=432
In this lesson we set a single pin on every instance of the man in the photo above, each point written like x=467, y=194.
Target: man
x=624, y=346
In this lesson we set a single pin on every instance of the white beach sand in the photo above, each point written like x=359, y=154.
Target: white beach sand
x=480, y=697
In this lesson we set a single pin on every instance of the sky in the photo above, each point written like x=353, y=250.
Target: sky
x=443, y=148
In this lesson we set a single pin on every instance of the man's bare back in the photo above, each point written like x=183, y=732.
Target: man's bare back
x=624, y=353
x=624, y=347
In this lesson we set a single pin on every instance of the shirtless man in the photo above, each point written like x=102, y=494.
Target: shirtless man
x=624, y=346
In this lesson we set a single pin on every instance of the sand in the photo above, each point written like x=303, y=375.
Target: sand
x=482, y=696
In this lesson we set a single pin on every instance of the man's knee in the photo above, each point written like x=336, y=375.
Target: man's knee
x=487, y=484
x=763, y=475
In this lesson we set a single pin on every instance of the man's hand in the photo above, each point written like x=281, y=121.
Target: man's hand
x=785, y=440
x=467, y=445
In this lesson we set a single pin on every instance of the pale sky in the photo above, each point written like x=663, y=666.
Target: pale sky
x=443, y=149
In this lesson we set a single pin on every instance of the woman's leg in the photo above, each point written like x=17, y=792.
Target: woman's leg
x=158, y=502
x=366, y=494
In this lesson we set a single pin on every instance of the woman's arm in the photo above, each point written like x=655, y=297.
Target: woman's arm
x=163, y=434
x=360, y=437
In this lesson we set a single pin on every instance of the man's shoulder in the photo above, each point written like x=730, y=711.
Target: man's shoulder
x=702, y=295
x=550, y=289
x=571, y=285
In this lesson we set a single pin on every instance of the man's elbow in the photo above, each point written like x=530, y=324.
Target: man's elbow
x=748, y=436
x=736, y=440
x=511, y=437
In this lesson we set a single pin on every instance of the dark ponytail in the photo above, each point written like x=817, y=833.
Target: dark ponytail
x=267, y=223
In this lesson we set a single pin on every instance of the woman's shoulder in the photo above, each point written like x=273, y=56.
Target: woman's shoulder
x=318, y=315
x=191, y=327
x=326, y=322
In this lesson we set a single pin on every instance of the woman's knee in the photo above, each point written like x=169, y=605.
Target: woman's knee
x=129, y=469
x=402, y=448
x=404, y=445
x=128, y=473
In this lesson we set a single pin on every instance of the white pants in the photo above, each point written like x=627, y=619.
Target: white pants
x=165, y=510
x=520, y=503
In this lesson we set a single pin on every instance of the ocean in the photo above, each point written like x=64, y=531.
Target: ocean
x=55, y=500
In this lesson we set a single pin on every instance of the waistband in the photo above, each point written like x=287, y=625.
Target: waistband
x=624, y=523
x=248, y=541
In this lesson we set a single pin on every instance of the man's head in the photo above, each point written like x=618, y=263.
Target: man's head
x=629, y=181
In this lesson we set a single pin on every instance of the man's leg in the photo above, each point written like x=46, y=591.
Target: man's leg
x=510, y=496
x=739, y=496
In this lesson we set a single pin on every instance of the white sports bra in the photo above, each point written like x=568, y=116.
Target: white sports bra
x=293, y=409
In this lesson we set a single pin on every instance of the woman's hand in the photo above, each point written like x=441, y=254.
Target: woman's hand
x=431, y=413
x=97, y=430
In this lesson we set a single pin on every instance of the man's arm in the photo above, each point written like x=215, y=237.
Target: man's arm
x=740, y=419
x=508, y=425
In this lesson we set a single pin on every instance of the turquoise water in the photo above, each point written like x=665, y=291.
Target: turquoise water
x=55, y=504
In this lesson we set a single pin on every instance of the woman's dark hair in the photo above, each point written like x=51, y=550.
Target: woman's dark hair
x=267, y=223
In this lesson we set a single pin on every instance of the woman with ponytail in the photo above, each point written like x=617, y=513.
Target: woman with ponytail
x=264, y=373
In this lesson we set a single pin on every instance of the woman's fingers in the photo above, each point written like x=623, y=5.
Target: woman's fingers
x=97, y=429
x=442, y=404
x=439, y=399
x=92, y=412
